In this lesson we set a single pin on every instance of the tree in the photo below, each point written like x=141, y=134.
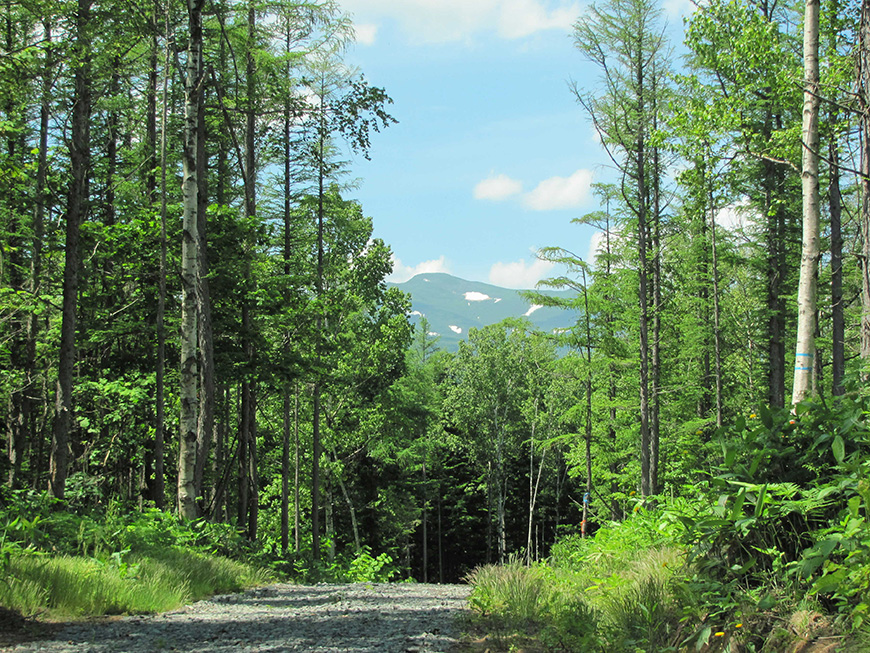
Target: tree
x=863, y=73
x=77, y=209
x=491, y=379
x=623, y=39
x=187, y=448
x=803, y=368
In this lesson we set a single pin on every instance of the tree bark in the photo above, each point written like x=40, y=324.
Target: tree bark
x=864, y=134
x=187, y=449
x=805, y=347
x=77, y=209
x=838, y=320
x=158, y=485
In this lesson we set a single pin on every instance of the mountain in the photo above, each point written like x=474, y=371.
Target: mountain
x=453, y=305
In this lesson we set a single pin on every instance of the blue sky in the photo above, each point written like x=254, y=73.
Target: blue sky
x=492, y=157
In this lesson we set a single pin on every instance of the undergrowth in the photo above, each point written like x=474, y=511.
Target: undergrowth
x=767, y=552
x=61, y=565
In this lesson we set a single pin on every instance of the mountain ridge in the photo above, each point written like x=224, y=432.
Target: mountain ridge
x=452, y=306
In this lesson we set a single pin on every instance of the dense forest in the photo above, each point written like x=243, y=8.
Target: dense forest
x=195, y=316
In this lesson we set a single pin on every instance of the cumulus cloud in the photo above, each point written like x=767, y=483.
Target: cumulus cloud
x=595, y=243
x=366, y=33
x=521, y=18
x=734, y=216
x=402, y=272
x=497, y=188
x=678, y=9
x=440, y=21
x=474, y=296
x=561, y=192
x=519, y=274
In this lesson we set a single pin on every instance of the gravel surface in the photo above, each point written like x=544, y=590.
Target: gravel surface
x=385, y=618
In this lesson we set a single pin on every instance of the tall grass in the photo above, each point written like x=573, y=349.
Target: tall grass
x=67, y=586
x=519, y=604
x=601, y=597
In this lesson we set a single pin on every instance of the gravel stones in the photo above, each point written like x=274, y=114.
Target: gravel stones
x=363, y=617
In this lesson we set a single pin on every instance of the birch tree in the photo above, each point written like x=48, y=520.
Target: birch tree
x=187, y=446
x=805, y=348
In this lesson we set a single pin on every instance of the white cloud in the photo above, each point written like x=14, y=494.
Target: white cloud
x=366, y=33
x=402, y=272
x=519, y=274
x=678, y=9
x=497, y=188
x=520, y=18
x=734, y=216
x=561, y=192
x=474, y=296
x=595, y=243
x=532, y=309
x=440, y=21
x=455, y=329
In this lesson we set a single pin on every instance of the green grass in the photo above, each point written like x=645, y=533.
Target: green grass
x=69, y=586
x=625, y=601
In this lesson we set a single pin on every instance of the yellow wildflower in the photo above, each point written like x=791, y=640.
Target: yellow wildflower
x=720, y=634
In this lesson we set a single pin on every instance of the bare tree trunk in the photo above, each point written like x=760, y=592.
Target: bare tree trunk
x=285, y=473
x=425, y=527
x=158, y=490
x=805, y=348
x=717, y=334
x=77, y=209
x=187, y=449
x=297, y=533
x=864, y=133
x=838, y=320
x=29, y=399
x=318, y=291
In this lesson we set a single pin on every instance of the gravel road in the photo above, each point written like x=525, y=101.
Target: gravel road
x=387, y=618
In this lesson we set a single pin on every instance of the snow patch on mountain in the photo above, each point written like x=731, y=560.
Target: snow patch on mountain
x=474, y=296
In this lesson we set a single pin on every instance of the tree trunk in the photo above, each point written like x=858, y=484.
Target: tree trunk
x=805, y=348
x=717, y=334
x=864, y=134
x=318, y=342
x=297, y=533
x=158, y=490
x=285, y=472
x=838, y=320
x=187, y=449
x=425, y=527
x=77, y=209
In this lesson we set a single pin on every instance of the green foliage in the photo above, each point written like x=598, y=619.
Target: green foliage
x=360, y=567
x=516, y=601
x=115, y=562
x=365, y=568
x=68, y=586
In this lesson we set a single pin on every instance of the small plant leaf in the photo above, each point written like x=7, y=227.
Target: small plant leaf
x=839, y=449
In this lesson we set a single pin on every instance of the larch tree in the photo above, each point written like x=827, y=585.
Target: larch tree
x=623, y=38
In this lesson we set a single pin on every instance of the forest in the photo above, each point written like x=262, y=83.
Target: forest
x=197, y=330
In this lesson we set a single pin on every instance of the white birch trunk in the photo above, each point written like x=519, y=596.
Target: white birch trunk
x=189, y=247
x=805, y=348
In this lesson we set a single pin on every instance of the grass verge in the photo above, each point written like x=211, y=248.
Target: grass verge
x=62, y=587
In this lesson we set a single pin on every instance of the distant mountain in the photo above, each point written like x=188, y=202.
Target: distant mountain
x=453, y=305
